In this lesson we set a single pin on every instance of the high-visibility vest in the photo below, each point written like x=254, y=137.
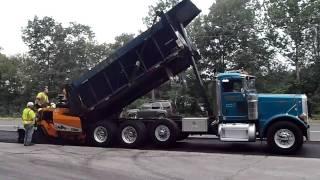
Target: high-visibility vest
x=42, y=97
x=28, y=116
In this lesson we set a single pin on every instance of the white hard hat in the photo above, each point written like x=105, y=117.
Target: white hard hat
x=53, y=105
x=30, y=104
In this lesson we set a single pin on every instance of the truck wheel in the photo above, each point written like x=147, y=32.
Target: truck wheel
x=102, y=134
x=164, y=132
x=284, y=138
x=132, y=133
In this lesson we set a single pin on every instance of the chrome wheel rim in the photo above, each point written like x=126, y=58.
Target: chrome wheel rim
x=129, y=134
x=100, y=134
x=284, y=138
x=162, y=133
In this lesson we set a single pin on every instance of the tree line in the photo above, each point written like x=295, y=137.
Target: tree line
x=276, y=40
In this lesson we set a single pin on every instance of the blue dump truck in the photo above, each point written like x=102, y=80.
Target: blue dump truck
x=239, y=114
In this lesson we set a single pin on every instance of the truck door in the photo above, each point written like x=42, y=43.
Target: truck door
x=234, y=104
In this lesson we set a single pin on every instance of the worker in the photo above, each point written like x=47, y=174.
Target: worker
x=64, y=96
x=42, y=99
x=28, y=120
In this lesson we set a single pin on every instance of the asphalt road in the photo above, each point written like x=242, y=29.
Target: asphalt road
x=194, y=158
x=191, y=159
x=315, y=131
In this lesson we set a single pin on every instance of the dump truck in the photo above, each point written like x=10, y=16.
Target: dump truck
x=238, y=113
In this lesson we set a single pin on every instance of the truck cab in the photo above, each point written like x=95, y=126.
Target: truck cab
x=237, y=91
x=245, y=115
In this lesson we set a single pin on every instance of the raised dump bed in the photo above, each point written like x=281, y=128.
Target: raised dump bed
x=132, y=71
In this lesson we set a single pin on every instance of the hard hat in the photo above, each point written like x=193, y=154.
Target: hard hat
x=53, y=105
x=30, y=104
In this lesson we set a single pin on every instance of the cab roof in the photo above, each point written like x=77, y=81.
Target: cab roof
x=234, y=75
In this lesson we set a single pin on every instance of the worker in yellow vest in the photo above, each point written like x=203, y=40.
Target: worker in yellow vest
x=28, y=120
x=42, y=99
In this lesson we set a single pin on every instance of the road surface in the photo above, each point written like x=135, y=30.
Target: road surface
x=189, y=160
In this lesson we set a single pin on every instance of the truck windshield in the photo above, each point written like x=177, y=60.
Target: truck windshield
x=232, y=85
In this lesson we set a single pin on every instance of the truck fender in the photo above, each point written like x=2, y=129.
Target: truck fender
x=284, y=117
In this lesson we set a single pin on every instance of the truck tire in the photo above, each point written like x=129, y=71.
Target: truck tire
x=132, y=133
x=284, y=138
x=164, y=132
x=102, y=134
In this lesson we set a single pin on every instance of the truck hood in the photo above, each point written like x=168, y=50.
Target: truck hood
x=272, y=104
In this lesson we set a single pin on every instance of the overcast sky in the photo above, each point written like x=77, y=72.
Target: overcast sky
x=107, y=18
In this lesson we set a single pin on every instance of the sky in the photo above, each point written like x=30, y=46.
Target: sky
x=107, y=18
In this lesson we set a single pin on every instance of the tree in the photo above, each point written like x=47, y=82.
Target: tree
x=120, y=40
x=159, y=5
x=59, y=53
x=289, y=23
x=227, y=38
x=10, y=85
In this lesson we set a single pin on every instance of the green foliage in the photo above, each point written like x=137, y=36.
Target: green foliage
x=160, y=5
x=120, y=40
x=227, y=38
x=290, y=23
x=10, y=85
x=60, y=53
x=56, y=55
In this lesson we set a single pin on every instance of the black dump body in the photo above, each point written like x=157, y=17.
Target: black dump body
x=135, y=69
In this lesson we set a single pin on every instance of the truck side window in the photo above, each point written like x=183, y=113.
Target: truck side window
x=232, y=86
